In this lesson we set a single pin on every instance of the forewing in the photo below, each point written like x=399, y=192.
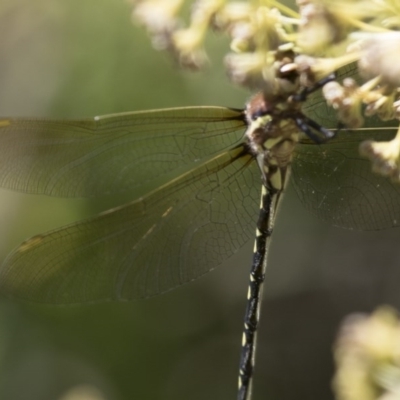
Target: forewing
x=334, y=182
x=171, y=236
x=130, y=151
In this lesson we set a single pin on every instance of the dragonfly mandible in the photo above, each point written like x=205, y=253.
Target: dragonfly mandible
x=197, y=200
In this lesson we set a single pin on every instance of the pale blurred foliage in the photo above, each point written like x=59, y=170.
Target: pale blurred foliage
x=367, y=355
x=83, y=392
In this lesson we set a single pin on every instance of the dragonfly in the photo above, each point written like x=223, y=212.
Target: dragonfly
x=197, y=174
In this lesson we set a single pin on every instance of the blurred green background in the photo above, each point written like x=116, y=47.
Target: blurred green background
x=70, y=59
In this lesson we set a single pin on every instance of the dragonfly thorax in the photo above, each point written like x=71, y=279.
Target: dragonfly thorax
x=272, y=132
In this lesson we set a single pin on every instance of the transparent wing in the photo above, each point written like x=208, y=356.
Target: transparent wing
x=171, y=236
x=334, y=182
x=131, y=151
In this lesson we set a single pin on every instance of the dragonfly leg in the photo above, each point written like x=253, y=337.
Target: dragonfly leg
x=310, y=128
x=326, y=133
x=304, y=93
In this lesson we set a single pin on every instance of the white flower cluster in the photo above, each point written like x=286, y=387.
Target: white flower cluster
x=280, y=51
